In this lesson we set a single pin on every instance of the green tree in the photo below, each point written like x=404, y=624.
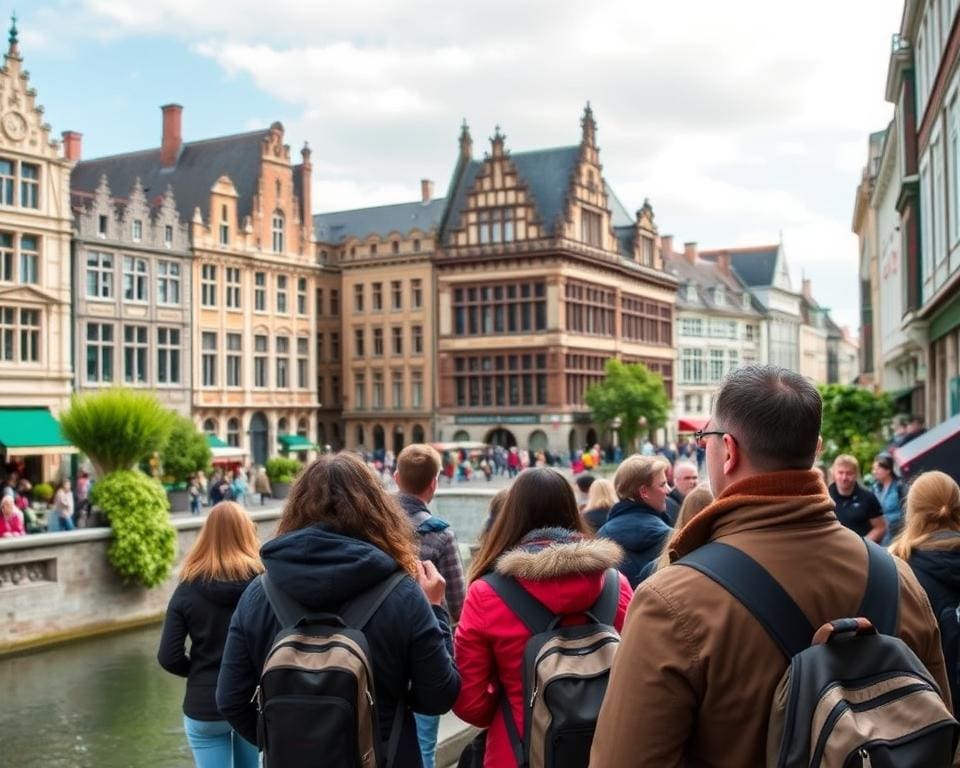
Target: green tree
x=853, y=422
x=629, y=393
x=187, y=450
x=116, y=428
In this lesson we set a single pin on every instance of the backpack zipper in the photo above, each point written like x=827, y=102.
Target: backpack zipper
x=581, y=651
x=865, y=761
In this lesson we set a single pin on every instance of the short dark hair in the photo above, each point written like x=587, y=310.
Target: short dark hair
x=584, y=482
x=774, y=415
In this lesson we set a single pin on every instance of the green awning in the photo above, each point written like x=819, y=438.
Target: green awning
x=898, y=394
x=215, y=442
x=31, y=432
x=295, y=443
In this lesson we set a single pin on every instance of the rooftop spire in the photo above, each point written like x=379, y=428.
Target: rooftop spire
x=466, y=141
x=14, y=37
x=589, y=126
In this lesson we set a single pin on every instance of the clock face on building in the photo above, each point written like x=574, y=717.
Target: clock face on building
x=14, y=125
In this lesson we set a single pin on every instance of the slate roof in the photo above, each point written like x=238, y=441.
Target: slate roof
x=707, y=275
x=380, y=220
x=198, y=167
x=755, y=266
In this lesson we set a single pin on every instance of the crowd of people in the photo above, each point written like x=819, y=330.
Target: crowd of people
x=694, y=670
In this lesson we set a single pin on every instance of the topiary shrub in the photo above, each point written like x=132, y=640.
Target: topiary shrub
x=280, y=469
x=116, y=428
x=186, y=452
x=144, y=542
x=43, y=492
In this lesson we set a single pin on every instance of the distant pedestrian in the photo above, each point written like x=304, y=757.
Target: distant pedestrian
x=11, y=519
x=193, y=491
x=60, y=518
x=214, y=575
x=261, y=485
x=891, y=493
x=857, y=508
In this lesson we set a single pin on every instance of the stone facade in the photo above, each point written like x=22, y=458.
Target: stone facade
x=132, y=277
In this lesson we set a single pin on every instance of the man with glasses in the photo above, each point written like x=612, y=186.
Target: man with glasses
x=696, y=672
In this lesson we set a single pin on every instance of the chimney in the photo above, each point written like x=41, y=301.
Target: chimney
x=426, y=191
x=690, y=252
x=807, y=289
x=306, y=172
x=666, y=246
x=71, y=145
x=723, y=262
x=172, y=136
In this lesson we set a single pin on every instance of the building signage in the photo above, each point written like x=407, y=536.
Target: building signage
x=510, y=418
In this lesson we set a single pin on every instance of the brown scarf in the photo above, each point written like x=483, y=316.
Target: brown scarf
x=775, y=497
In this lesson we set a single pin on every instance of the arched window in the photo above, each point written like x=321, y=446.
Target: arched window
x=283, y=427
x=359, y=436
x=302, y=428
x=417, y=433
x=278, y=232
x=210, y=426
x=233, y=432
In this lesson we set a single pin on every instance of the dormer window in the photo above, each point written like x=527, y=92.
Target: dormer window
x=746, y=301
x=102, y=226
x=278, y=246
x=224, y=226
x=137, y=230
x=495, y=226
x=168, y=236
x=719, y=297
x=590, y=228
x=690, y=293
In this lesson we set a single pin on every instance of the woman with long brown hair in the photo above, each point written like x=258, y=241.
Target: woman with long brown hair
x=930, y=543
x=340, y=536
x=540, y=540
x=213, y=575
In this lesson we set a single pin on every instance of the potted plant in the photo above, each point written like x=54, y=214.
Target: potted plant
x=282, y=471
x=185, y=453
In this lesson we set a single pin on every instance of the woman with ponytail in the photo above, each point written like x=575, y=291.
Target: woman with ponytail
x=930, y=543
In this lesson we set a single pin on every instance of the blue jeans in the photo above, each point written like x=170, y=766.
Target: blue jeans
x=427, y=728
x=215, y=745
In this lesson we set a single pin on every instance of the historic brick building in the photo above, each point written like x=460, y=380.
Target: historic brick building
x=254, y=277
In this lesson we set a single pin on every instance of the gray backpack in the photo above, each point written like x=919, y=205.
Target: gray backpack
x=853, y=693
x=565, y=674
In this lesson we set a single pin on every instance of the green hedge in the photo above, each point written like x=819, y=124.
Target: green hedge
x=282, y=470
x=144, y=542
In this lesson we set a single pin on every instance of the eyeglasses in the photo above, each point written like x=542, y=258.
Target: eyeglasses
x=700, y=434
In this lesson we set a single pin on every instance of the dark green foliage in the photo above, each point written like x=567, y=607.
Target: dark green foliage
x=116, y=428
x=43, y=492
x=282, y=470
x=187, y=450
x=144, y=542
x=630, y=393
x=854, y=420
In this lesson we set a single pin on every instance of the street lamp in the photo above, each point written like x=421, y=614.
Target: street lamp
x=615, y=424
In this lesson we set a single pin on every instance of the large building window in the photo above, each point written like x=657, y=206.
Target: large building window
x=500, y=380
x=378, y=342
x=416, y=339
x=234, y=360
x=692, y=366
x=99, y=353
x=29, y=335
x=377, y=390
x=168, y=355
x=396, y=340
x=168, y=282
x=233, y=432
x=8, y=333
x=303, y=360
x=416, y=389
x=335, y=394
x=7, y=255
x=416, y=293
x=283, y=362
x=503, y=308
x=396, y=295
x=233, y=287
x=650, y=322
x=135, y=354
x=396, y=379
x=591, y=228
x=495, y=225
x=260, y=291
x=134, y=279
x=301, y=296
x=591, y=309
x=29, y=185
x=376, y=297
x=334, y=347
x=208, y=348
x=691, y=326
x=278, y=244
x=359, y=391
x=208, y=285
x=29, y=259
x=8, y=181
x=282, y=294
x=582, y=372
x=358, y=344
x=261, y=361
x=334, y=302
x=99, y=273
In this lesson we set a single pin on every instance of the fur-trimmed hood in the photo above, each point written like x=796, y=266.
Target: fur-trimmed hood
x=551, y=553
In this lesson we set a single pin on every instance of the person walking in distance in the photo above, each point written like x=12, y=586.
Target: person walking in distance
x=214, y=574
x=856, y=507
x=417, y=475
x=696, y=672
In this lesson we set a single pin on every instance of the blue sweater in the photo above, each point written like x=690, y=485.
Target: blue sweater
x=641, y=531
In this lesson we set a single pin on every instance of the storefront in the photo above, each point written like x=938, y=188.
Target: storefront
x=31, y=437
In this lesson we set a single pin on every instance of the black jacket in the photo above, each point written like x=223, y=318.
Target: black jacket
x=640, y=530
x=674, y=503
x=200, y=610
x=938, y=571
x=410, y=644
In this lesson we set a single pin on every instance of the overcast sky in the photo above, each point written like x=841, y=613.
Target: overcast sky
x=739, y=120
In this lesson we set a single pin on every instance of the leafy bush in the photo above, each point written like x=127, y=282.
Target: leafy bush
x=116, y=428
x=854, y=420
x=43, y=492
x=144, y=542
x=282, y=470
x=187, y=450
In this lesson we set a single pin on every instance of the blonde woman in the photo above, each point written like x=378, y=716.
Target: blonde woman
x=214, y=574
x=930, y=543
x=600, y=501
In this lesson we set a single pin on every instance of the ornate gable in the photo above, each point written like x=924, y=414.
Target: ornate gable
x=498, y=207
x=22, y=127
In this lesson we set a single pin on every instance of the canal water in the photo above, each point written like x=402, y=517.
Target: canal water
x=99, y=703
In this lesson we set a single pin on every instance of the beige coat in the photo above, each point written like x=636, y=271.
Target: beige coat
x=695, y=673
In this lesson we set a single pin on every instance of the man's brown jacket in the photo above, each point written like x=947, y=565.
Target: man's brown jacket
x=695, y=673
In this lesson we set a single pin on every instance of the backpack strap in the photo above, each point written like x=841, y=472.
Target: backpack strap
x=535, y=616
x=604, y=611
x=287, y=610
x=753, y=586
x=512, y=733
x=881, y=599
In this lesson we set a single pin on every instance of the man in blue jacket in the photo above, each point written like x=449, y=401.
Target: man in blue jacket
x=638, y=522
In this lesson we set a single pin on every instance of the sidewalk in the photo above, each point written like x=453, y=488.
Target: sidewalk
x=453, y=737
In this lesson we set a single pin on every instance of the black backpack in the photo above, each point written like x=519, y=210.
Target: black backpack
x=565, y=674
x=853, y=693
x=948, y=618
x=316, y=699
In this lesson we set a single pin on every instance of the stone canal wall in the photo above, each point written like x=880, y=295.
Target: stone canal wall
x=56, y=587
